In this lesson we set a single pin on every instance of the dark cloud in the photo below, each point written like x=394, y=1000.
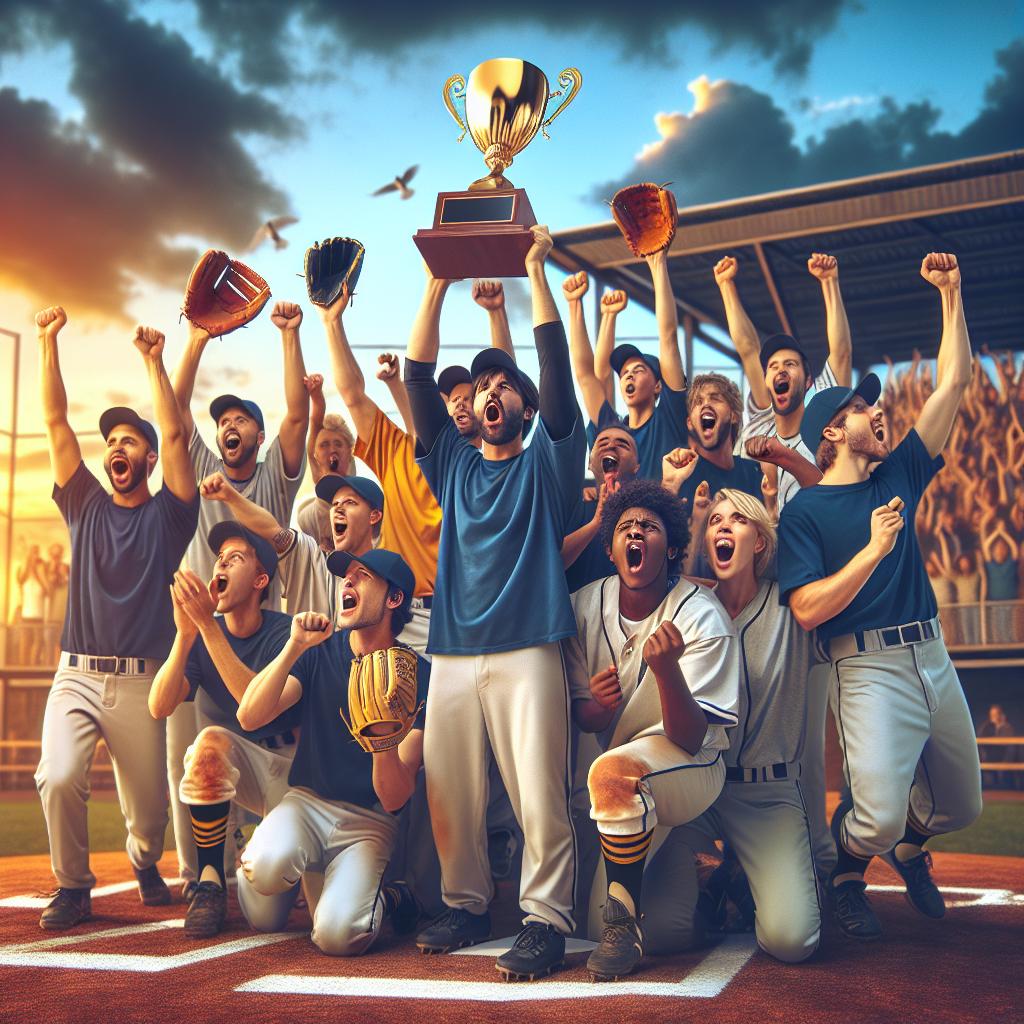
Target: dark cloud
x=738, y=141
x=159, y=153
x=783, y=31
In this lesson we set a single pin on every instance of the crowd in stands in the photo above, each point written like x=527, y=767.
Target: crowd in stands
x=41, y=597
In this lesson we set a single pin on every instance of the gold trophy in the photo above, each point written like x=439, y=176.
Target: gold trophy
x=485, y=231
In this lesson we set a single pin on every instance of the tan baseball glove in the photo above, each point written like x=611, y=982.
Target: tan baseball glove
x=382, y=698
x=646, y=215
x=223, y=294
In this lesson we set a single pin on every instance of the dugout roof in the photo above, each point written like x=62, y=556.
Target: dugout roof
x=880, y=227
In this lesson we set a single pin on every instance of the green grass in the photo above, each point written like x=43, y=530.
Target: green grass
x=998, y=832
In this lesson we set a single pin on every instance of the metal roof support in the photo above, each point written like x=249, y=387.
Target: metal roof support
x=773, y=291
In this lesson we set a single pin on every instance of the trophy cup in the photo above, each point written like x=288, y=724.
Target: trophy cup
x=485, y=231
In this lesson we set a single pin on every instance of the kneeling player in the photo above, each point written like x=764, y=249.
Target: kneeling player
x=339, y=814
x=663, y=737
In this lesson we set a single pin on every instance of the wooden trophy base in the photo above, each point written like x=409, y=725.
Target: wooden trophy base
x=478, y=234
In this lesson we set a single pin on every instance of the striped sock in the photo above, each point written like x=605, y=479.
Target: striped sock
x=209, y=829
x=624, y=858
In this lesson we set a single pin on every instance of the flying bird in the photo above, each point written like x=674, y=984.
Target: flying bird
x=271, y=230
x=400, y=184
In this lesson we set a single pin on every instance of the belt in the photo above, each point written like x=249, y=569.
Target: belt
x=109, y=666
x=283, y=739
x=769, y=773
x=870, y=640
x=423, y=603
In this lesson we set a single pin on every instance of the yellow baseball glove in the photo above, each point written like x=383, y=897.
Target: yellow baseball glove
x=382, y=698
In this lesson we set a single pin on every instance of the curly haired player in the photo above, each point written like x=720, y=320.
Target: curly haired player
x=663, y=737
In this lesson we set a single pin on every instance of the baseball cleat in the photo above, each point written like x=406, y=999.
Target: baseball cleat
x=730, y=880
x=454, y=929
x=537, y=951
x=401, y=908
x=68, y=908
x=852, y=911
x=188, y=890
x=153, y=889
x=207, y=911
x=922, y=893
x=621, y=947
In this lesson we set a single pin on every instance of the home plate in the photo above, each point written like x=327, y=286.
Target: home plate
x=495, y=947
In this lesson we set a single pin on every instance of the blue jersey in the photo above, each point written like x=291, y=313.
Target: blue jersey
x=255, y=652
x=823, y=527
x=666, y=429
x=745, y=476
x=328, y=760
x=500, y=582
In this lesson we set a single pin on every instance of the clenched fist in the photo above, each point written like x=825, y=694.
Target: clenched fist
x=489, y=294
x=886, y=524
x=663, y=648
x=310, y=629
x=313, y=383
x=149, y=341
x=763, y=448
x=389, y=367
x=216, y=487
x=941, y=269
x=725, y=270
x=605, y=688
x=542, y=243
x=575, y=286
x=613, y=303
x=677, y=467
x=822, y=266
x=286, y=316
x=49, y=321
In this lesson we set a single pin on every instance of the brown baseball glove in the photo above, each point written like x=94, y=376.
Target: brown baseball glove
x=223, y=294
x=646, y=215
x=382, y=698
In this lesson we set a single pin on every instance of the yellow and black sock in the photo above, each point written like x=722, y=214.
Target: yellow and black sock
x=209, y=829
x=624, y=858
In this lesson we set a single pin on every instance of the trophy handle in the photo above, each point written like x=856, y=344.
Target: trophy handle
x=458, y=84
x=569, y=79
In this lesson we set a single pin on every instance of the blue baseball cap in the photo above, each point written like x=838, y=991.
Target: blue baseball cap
x=498, y=359
x=621, y=354
x=823, y=407
x=778, y=342
x=122, y=414
x=219, y=405
x=265, y=552
x=329, y=485
x=386, y=564
x=451, y=377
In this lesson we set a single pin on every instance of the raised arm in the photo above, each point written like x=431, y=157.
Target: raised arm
x=672, y=372
x=429, y=412
x=292, y=436
x=390, y=373
x=612, y=304
x=185, y=375
x=216, y=487
x=490, y=295
x=65, y=452
x=763, y=448
x=574, y=287
x=840, y=347
x=314, y=384
x=953, y=373
x=179, y=477
x=744, y=334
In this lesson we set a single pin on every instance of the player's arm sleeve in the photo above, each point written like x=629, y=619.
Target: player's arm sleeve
x=300, y=569
x=77, y=493
x=711, y=666
x=429, y=413
x=911, y=458
x=673, y=403
x=275, y=466
x=380, y=448
x=558, y=407
x=204, y=462
x=827, y=378
x=800, y=559
x=180, y=518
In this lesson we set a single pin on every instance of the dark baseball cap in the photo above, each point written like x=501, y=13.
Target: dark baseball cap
x=776, y=343
x=825, y=404
x=386, y=564
x=451, y=377
x=622, y=353
x=329, y=485
x=265, y=552
x=219, y=405
x=498, y=359
x=122, y=414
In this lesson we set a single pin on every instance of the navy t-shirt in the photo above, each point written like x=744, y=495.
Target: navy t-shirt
x=823, y=527
x=255, y=652
x=593, y=563
x=745, y=476
x=500, y=581
x=328, y=760
x=666, y=429
x=122, y=563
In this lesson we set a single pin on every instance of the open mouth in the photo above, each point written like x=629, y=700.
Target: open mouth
x=725, y=547
x=492, y=412
x=609, y=463
x=119, y=465
x=340, y=527
x=232, y=442
x=880, y=434
x=634, y=554
x=333, y=462
x=708, y=421
x=630, y=389
x=348, y=601
x=220, y=583
x=782, y=385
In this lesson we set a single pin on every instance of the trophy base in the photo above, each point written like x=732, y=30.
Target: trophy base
x=478, y=234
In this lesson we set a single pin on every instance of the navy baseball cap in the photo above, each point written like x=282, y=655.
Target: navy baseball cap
x=498, y=359
x=122, y=414
x=622, y=353
x=265, y=552
x=451, y=377
x=329, y=485
x=825, y=404
x=386, y=564
x=219, y=405
x=777, y=342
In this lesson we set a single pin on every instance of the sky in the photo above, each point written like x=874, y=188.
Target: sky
x=138, y=134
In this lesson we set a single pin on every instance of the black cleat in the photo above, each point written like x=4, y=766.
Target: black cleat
x=501, y=852
x=153, y=889
x=730, y=880
x=188, y=890
x=621, y=947
x=401, y=908
x=537, y=951
x=922, y=893
x=853, y=912
x=207, y=911
x=67, y=908
x=454, y=929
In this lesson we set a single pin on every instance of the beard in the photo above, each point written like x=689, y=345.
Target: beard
x=240, y=455
x=370, y=617
x=511, y=427
x=136, y=477
x=869, y=446
x=471, y=431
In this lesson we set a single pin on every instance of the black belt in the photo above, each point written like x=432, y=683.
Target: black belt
x=900, y=636
x=283, y=739
x=770, y=773
x=108, y=666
